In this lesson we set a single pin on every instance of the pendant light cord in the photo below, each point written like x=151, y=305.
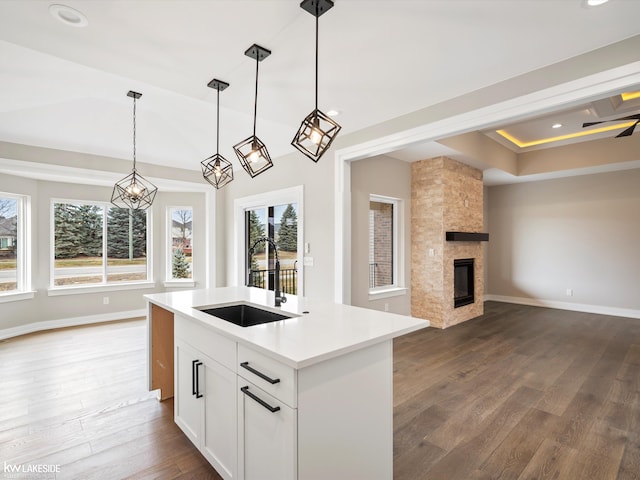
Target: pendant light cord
x=218, y=121
x=317, y=15
x=134, y=133
x=255, y=103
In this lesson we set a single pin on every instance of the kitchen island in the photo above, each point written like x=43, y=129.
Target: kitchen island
x=307, y=397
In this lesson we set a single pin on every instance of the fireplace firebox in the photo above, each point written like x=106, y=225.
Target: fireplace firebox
x=463, y=280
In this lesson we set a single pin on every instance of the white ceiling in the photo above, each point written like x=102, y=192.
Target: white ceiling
x=65, y=87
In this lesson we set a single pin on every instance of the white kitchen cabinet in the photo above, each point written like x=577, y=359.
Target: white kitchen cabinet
x=219, y=441
x=205, y=402
x=310, y=398
x=267, y=434
x=187, y=408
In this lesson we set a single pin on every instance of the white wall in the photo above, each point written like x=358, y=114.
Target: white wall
x=578, y=233
x=22, y=315
x=290, y=171
x=388, y=177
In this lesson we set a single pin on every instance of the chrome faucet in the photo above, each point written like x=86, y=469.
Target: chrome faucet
x=280, y=298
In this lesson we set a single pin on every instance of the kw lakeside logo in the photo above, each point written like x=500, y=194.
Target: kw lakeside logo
x=28, y=470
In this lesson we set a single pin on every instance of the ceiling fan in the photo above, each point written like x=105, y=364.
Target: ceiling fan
x=627, y=132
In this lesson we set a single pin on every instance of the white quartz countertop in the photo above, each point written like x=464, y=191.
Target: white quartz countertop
x=328, y=329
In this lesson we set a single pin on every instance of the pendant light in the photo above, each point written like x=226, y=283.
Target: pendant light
x=317, y=131
x=251, y=152
x=134, y=191
x=216, y=169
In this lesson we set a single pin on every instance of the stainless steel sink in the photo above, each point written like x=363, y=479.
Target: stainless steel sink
x=244, y=315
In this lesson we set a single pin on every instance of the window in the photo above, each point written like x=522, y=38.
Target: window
x=384, y=228
x=280, y=224
x=98, y=243
x=180, y=225
x=14, y=272
x=277, y=215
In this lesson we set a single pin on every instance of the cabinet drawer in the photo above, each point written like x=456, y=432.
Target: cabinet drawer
x=218, y=347
x=270, y=375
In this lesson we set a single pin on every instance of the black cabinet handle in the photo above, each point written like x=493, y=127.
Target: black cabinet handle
x=272, y=381
x=246, y=391
x=193, y=377
x=198, y=394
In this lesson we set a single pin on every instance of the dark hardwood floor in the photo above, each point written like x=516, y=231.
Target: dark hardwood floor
x=77, y=398
x=519, y=393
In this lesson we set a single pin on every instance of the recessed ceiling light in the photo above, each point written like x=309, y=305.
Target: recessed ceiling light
x=556, y=125
x=68, y=16
x=594, y=3
x=333, y=113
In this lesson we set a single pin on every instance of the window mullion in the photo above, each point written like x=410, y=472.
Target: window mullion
x=104, y=244
x=20, y=246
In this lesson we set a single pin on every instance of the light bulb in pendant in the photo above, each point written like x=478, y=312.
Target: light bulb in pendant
x=254, y=156
x=316, y=133
x=134, y=190
x=217, y=171
x=315, y=136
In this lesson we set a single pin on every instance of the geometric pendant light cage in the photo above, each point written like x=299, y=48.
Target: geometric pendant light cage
x=216, y=169
x=317, y=131
x=252, y=152
x=134, y=191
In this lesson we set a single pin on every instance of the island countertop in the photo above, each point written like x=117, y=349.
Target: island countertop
x=318, y=330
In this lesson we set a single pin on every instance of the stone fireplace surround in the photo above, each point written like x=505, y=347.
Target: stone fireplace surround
x=446, y=196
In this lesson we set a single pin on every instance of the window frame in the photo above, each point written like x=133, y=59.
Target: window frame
x=105, y=285
x=169, y=280
x=397, y=287
x=23, y=289
x=263, y=200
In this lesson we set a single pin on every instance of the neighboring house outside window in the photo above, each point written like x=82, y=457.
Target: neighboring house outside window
x=8, y=235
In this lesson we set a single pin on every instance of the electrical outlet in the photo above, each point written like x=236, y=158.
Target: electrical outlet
x=386, y=307
x=569, y=292
x=105, y=300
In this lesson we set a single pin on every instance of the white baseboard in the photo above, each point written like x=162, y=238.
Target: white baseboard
x=576, y=307
x=69, y=322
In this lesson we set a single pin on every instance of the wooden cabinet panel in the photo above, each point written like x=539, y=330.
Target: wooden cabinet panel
x=160, y=324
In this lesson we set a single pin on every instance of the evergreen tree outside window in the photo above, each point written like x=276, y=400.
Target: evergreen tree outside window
x=279, y=223
x=288, y=231
x=98, y=244
x=257, y=222
x=180, y=267
x=180, y=223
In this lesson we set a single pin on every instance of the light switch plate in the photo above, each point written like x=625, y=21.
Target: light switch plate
x=308, y=261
